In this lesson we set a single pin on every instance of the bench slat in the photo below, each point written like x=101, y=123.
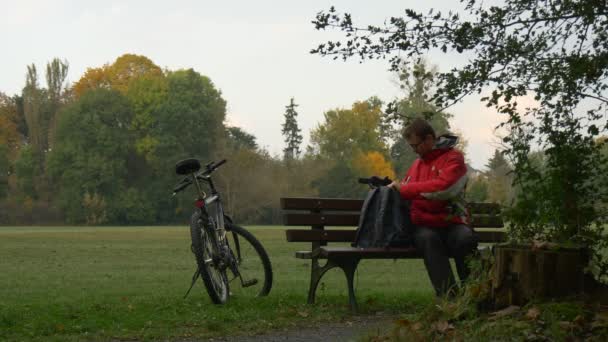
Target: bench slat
x=491, y=237
x=300, y=235
x=350, y=220
x=485, y=221
x=484, y=208
x=302, y=203
x=367, y=253
x=349, y=204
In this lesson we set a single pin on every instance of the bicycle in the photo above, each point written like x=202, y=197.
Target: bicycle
x=214, y=251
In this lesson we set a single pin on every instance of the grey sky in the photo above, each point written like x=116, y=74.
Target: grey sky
x=256, y=52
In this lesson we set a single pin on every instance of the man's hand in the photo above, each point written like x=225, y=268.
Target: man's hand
x=395, y=185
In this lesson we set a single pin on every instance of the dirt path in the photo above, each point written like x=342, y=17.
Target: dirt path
x=353, y=329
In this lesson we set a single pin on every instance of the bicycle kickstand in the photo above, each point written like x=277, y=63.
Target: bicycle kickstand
x=197, y=273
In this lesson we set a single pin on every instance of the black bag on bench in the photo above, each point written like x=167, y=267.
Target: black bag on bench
x=384, y=221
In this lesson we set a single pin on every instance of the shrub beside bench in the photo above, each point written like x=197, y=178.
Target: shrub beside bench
x=319, y=213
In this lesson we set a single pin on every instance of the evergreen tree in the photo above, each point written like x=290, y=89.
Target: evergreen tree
x=499, y=178
x=417, y=83
x=238, y=138
x=291, y=132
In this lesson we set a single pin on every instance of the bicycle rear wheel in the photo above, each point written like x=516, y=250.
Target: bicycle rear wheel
x=206, y=252
x=253, y=264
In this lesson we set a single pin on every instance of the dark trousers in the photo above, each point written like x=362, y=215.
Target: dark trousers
x=437, y=245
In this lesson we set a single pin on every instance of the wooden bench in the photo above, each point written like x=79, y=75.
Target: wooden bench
x=319, y=213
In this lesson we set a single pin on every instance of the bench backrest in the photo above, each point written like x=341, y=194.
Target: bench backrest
x=319, y=213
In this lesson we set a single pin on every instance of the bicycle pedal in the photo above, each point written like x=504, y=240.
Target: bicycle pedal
x=247, y=283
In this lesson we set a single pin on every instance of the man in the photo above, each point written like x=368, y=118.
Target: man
x=435, y=186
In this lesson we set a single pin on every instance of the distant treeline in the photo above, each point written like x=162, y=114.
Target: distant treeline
x=103, y=150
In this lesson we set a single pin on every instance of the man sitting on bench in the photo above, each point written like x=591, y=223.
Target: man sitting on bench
x=435, y=186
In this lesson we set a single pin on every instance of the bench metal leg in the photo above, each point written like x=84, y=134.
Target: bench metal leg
x=349, y=266
x=316, y=273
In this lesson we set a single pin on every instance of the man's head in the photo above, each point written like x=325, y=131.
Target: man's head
x=420, y=136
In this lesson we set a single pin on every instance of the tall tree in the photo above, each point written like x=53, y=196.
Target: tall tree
x=345, y=132
x=188, y=124
x=41, y=105
x=9, y=135
x=499, y=178
x=35, y=113
x=291, y=132
x=56, y=74
x=4, y=171
x=417, y=83
x=345, y=135
x=477, y=189
x=91, y=154
x=117, y=75
x=238, y=139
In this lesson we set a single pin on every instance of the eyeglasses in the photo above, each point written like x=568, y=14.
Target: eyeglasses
x=415, y=146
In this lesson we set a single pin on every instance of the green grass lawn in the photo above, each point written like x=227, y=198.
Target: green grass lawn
x=103, y=283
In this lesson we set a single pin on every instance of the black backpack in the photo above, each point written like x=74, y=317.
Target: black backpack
x=384, y=221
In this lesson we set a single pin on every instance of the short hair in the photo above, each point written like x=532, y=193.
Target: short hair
x=420, y=128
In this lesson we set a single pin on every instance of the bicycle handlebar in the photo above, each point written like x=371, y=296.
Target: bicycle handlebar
x=375, y=181
x=182, y=185
x=200, y=175
x=212, y=167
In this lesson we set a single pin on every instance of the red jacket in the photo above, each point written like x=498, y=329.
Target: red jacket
x=435, y=185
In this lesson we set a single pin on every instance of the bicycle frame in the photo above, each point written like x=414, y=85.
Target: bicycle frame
x=205, y=202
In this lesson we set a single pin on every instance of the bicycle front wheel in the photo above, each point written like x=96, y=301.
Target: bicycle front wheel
x=208, y=257
x=253, y=264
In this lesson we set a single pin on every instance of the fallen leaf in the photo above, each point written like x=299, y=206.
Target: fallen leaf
x=579, y=320
x=442, y=326
x=533, y=313
x=504, y=312
x=403, y=322
x=60, y=327
x=417, y=326
x=303, y=313
x=566, y=325
x=600, y=321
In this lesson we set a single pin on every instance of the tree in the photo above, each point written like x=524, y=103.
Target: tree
x=56, y=73
x=373, y=164
x=189, y=123
x=499, y=178
x=147, y=94
x=477, y=189
x=345, y=132
x=4, y=171
x=9, y=135
x=291, y=132
x=27, y=169
x=554, y=52
x=118, y=75
x=417, y=83
x=41, y=106
x=93, y=78
x=238, y=139
x=36, y=115
x=343, y=136
x=90, y=157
